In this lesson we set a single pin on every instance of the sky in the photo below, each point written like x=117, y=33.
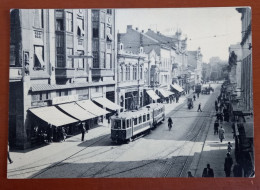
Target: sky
x=211, y=29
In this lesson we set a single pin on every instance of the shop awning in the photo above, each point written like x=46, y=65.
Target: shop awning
x=177, y=87
x=107, y=103
x=53, y=116
x=92, y=107
x=152, y=95
x=76, y=111
x=163, y=93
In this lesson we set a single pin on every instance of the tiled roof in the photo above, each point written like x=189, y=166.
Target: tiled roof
x=49, y=87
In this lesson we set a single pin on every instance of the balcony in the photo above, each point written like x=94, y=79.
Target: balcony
x=70, y=72
x=15, y=74
x=97, y=72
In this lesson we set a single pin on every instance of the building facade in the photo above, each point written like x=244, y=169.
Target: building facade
x=130, y=85
x=51, y=61
x=195, y=64
x=246, y=66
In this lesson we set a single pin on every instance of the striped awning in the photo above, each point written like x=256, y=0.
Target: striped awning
x=177, y=87
x=76, y=111
x=91, y=107
x=107, y=103
x=152, y=94
x=53, y=116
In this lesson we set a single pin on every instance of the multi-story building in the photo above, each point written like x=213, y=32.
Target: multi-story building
x=51, y=64
x=195, y=64
x=156, y=63
x=246, y=66
x=130, y=85
x=243, y=110
x=178, y=54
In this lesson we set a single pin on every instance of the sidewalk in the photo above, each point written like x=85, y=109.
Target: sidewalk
x=214, y=152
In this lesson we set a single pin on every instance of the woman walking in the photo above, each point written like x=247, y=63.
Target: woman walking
x=221, y=133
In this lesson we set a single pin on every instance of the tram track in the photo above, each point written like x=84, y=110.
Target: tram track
x=192, y=138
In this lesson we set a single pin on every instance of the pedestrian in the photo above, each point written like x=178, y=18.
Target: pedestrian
x=49, y=134
x=8, y=155
x=189, y=174
x=216, y=125
x=221, y=134
x=194, y=97
x=63, y=133
x=199, y=107
x=87, y=126
x=83, y=130
x=198, y=94
x=228, y=164
x=237, y=170
x=229, y=147
x=208, y=172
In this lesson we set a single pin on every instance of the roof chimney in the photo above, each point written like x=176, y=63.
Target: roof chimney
x=158, y=32
x=142, y=31
x=129, y=26
x=136, y=28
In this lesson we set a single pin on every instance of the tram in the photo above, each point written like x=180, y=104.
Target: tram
x=127, y=125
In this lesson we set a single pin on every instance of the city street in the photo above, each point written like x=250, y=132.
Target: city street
x=162, y=153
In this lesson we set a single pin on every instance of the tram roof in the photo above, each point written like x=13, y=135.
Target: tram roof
x=137, y=113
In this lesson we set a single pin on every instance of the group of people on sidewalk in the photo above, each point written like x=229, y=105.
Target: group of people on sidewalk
x=222, y=115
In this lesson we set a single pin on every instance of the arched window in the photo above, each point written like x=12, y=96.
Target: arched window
x=134, y=73
x=128, y=73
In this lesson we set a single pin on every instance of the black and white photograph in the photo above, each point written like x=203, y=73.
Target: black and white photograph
x=131, y=93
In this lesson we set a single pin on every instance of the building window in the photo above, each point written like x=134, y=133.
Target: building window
x=95, y=28
x=80, y=28
x=70, y=60
x=134, y=73
x=102, y=30
x=128, y=73
x=109, y=11
x=97, y=89
x=109, y=46
x=80, y=60
x=38, y=56
x=12, y=55
x=69, y=22
x=38, y=18
x=60, y=50
x=95, y=59
x=102, y=59
x=59, y=25
x=62, y=93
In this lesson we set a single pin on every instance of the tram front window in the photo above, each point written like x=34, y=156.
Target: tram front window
x=123, y=121
x=117, y=124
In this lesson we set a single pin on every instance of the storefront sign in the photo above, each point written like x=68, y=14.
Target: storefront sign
x=64, y=99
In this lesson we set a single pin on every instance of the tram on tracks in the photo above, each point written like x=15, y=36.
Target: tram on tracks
x=127, y=125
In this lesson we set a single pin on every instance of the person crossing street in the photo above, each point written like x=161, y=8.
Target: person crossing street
x=199, y=107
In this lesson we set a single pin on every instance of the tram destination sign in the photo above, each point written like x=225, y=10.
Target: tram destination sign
x=65, y=99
